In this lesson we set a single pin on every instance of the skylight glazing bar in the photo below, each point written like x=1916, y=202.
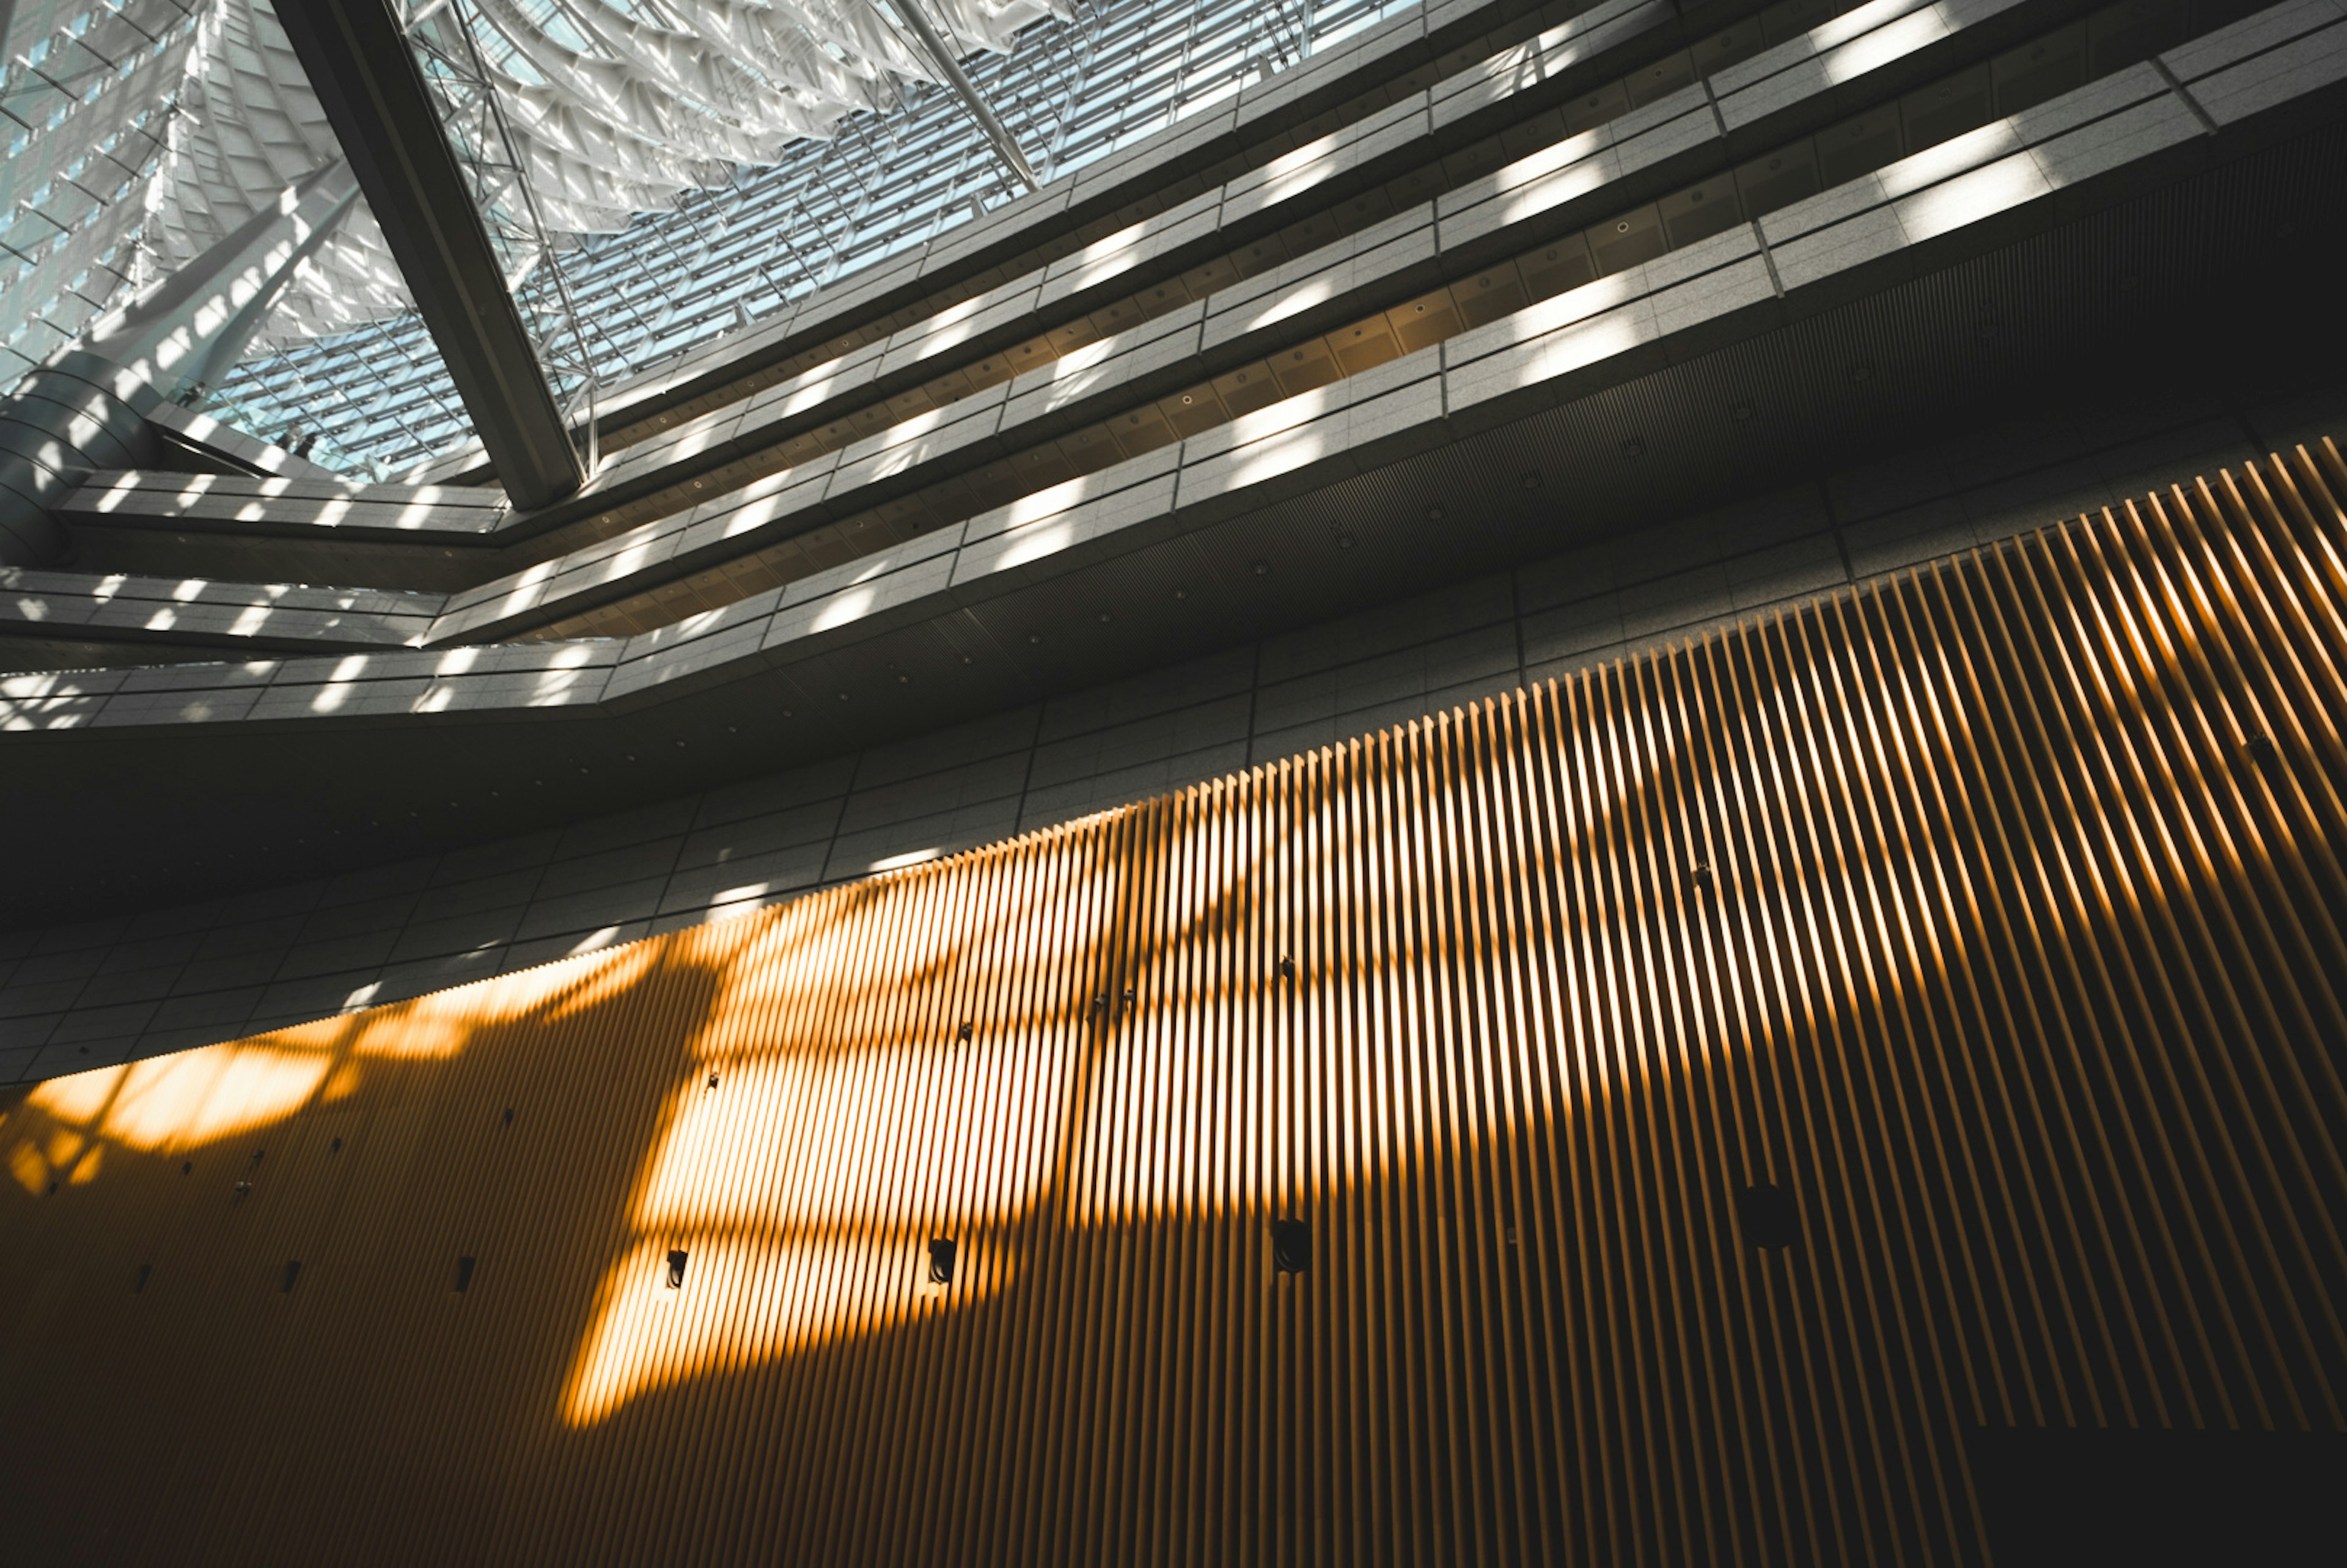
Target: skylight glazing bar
x=373, y=90
x=445, y=36
x=942, y=58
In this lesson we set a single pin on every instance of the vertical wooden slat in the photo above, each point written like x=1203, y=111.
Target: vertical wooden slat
x=1993, y=910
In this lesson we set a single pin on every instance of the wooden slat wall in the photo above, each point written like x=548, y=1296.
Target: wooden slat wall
x=1994, y=911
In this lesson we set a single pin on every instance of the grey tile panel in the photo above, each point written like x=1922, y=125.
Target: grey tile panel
x=1544, y=56
x=729, y=438
x=2272, y=28
x=1047, y=805
x=1320, y=286
x=2301, y=66
x=624, y=829
x=1618, y=326
x=1578, y=168
x=1300, y=176
x=1159, y=354
x=1153, y=742
x=197, y=498
x=736, y=434
x=1383, y=261
x=1370, y=634
x=1586, y=607
x=755, y=873
x=1838, y=50
x=1834, y=32
x=768, y=833
x=1832, y=56
x=1408, y=672
x=131, y=608
x=1170, y=690
x=827, y=780
x=1114, y=256
x=1004, y=306
x=1254, y=123
x=512, y=679
x=104, y=991
x=906, y=840
x=964, y=431
x=1106, y=364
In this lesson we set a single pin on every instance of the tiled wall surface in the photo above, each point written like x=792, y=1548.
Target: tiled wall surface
x=1731, y=285
x=72, y=997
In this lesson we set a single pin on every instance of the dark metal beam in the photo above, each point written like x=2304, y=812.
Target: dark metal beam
x=941, y=55
x=375, y=98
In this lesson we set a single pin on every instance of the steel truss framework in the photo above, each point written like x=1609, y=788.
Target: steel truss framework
x=378, y=399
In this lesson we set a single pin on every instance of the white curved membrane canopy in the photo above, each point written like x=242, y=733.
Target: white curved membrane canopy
x=141, y=132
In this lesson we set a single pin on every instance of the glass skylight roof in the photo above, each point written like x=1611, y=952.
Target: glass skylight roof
x=138, y=131
x=378, y=400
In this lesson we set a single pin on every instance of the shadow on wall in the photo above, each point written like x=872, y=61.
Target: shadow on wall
x=514, y=1250
x=287, y=1216
x=1870, y=923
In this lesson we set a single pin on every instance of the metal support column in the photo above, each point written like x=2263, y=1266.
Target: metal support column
x=376, y=99
x=941, y=54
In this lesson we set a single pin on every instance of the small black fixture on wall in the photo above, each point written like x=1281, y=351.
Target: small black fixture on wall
x=1291, y=1246
x=1771, y=1220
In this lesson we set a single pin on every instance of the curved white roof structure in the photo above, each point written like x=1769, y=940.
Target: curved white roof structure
x=140, y=131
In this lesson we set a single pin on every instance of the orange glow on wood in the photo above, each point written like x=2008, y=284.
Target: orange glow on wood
x=1992, y=913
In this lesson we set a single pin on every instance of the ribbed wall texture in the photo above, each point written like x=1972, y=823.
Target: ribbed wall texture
x=1993, y=913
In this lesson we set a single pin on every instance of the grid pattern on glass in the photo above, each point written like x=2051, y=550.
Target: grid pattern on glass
x=136, y=134
x=378, y=400
x=103, y=79
x=472, y=119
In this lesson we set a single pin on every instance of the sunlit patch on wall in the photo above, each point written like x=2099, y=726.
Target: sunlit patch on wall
x=168, y=1104
x=851, y=1121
